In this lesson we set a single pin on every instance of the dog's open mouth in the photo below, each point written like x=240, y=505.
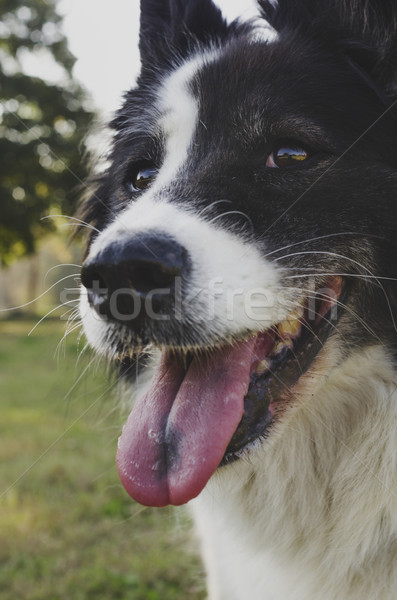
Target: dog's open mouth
x=202, y=411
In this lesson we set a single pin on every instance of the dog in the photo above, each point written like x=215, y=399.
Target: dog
x=241, y=276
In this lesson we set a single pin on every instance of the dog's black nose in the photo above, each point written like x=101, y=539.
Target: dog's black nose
x=130, y=280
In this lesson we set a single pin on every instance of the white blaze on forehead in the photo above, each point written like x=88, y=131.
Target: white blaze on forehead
x=179, y=115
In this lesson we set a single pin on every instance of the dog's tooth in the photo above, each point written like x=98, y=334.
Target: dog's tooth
x=290, y=328
x=262, y=367
x=281, y=345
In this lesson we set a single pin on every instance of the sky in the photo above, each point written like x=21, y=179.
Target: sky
x=103, y=36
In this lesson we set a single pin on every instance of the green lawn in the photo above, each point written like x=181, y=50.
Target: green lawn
x=67, y=528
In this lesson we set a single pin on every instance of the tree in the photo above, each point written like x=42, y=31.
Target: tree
x=42, y=127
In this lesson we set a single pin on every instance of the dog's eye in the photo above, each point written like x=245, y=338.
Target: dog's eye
x=286, y=155
x=140, y=175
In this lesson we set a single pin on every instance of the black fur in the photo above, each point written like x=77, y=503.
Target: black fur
x=367, y=31
x=177, y=26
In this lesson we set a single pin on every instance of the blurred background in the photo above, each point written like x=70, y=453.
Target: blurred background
x=67, y=528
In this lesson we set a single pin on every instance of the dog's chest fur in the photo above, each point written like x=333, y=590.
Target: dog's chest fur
x=315, y=516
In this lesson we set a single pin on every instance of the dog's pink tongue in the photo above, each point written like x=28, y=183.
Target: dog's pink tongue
x=177, y=434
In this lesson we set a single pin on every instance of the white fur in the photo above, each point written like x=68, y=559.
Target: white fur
x=313, y=512
x=95, y=328
x=179, y=116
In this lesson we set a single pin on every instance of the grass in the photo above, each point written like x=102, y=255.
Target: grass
x=67, y=528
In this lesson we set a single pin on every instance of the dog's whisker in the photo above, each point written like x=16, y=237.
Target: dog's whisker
x=211, y=206
x=233, y=212
x=337, y=302
x=334, y=326
x=344, y=257
x=369, y=278
x=71, y=328
x=3, y=310
x=321, y=272
x=324, y=253
x=49, y=313
x=77, y=222
x=62, y=265
x=317, y=238
x=86, y=348
x=72, y=312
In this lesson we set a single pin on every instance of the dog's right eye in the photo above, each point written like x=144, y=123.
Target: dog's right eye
x=140, y=175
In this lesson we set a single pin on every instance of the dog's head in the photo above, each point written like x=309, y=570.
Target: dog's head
x=245, y=228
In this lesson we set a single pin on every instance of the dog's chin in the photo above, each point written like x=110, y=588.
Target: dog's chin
x=206, y=407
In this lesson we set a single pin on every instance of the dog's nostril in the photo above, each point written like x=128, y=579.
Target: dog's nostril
x=96, y=286
x=94, y=282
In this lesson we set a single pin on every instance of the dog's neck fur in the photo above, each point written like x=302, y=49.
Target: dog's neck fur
x=325, y=522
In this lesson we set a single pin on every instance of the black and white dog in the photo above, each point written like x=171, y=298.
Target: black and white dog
x=245, y=253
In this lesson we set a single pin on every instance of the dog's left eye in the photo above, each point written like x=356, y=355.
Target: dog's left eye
x=140, y=175
x=286, y=155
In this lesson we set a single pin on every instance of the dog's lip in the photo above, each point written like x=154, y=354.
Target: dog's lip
x=297, y=344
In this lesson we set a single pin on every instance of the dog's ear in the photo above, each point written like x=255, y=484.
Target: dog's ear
x=364, y=29
x=174, y=28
